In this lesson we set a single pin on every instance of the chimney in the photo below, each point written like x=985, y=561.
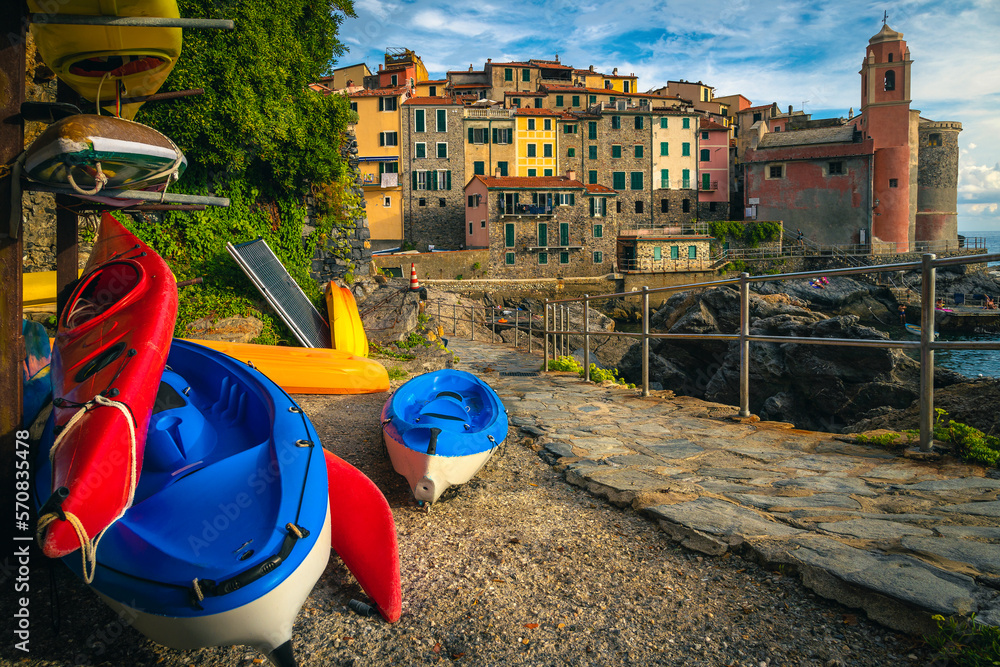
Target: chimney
x=571, y=174
x=557, y=57
x=470, y=67
x=614, y=72
x=380, y=67
x=591, y=68
x=789, y=109
x=497, y=173
x=489, y=60
x=850, y=113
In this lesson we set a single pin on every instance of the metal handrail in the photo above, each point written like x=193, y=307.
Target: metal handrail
x=556, y=337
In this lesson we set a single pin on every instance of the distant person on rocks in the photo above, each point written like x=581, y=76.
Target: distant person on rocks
x=989, y=305
x=939, y=304
x=902, y=314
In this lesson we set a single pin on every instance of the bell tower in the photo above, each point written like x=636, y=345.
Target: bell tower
x=886, y=118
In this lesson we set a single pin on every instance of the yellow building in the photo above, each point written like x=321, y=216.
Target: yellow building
x=490, y=148
x=535, y=140
x=379, y=136
x=430, y=88
x=589, y=78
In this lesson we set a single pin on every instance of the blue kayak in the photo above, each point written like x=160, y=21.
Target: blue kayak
x=441, y=428
x=230, y=526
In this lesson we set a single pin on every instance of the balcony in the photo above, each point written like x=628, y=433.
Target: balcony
x=686, y=184
x=528, y=210
x=488, y=113
x=711, y=185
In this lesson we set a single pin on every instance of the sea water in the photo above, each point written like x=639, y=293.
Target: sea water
x=973, y=363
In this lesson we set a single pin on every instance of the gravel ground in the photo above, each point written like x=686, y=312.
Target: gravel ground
x=516, y=567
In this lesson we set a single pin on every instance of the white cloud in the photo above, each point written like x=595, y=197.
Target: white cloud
x=979, y=185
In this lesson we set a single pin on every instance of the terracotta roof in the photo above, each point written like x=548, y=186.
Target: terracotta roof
x=821, y=135
x=535, y=112
x=432, y=81
x=525, y=93
x=707, y=124
x=598, y=91
x=465, y=71
x=378, y=92
x=757, y=108
x=433, y=101
x=547, y=182
x=619, y=76
x=515, y=64
x=471, y=85
x=596, y=189
x=550, y=65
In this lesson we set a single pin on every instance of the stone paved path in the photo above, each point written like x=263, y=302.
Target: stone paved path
x=900, y=537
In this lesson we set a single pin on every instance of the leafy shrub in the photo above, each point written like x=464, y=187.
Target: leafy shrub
x=963, y=642
x=396, y=373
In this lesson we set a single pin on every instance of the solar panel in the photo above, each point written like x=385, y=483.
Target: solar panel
x=261, y=265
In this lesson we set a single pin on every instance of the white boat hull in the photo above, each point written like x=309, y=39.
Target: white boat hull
x=429, y=475
x=265, y=623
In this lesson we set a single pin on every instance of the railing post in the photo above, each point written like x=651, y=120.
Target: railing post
x=744, y=345
x=586, y=338
x=493, y=324
x=645, y=340
x=545, y=335
x=472, y=321
x=565, y=327
x=530, y=342
x=454, y=319
x=927, y=277
x=517, y=324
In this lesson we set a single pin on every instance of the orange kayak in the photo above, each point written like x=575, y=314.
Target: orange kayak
x=309, y=370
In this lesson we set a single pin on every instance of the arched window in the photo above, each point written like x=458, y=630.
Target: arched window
x=890, y=80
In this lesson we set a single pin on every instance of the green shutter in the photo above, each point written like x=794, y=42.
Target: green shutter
x=618, y=180
x=418, y=120
x=638, y=150
x=664, y=148
x=664, y=178
x=572, y=199
x=414, y=180
x=559, y=100
x=442, y=120
x=592, y=207
x=576, y=100
x=543, y=234
x=656, y=252
x=508, y=235
x=592, y=130
x=616, y=151
x=592, y=177
x=564, y=233
x=636, y=180
x=592, y=152
x=663, y=122
x=447, y=179
x=706, y=181
x=470, y=135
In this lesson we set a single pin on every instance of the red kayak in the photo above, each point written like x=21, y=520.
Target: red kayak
x=110, y=350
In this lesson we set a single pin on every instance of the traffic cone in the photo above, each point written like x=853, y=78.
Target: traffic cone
x=414, y=285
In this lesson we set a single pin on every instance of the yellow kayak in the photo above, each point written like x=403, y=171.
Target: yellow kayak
x=92, y=58
x=39, y=288
x=346, y=330
x=309, y=370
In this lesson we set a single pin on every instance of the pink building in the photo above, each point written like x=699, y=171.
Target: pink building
x=713, y=171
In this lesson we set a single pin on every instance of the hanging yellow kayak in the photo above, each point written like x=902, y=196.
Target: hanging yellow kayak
x=97, y=58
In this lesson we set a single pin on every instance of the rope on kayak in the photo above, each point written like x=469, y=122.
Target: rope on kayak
x=100, y=180
x=88, y=547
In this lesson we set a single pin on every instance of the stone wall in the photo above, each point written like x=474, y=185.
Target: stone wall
x=436, y=265
x=627, y=136
x=675, y=213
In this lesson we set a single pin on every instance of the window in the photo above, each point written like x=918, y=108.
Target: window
x=657, y=253
x=433, y=91
x=479, y=167
x=712, y=206
x=664, y=148
x=636, y=180
x=543, y=258
x=592, y=152
x=418, y=120
x=706, y=155
x=509, y=258
x=663, y=123
x=664, y=206
x=543, y=234
x=474, y=201
x=893, y=183
x=532, y=172
x=442, y=121
x=422, y=202
x=387, y=202
x=890, y=80
x=576, y=100
x=706, y=181
x=607, y=85
x=546, y=172
x=564, y=233
x=479, y=135
x=686, y=179
x=503, y=135
x=570, y=152
x=704, y=136
x=442, y=202
x=482, y=224
x=686, y=205
x=532, y=150
x=777, y=128
x=569, y=128
x=692, y=252
x=559, y=100
x=890, y=57
x=618, y=180
x=638, y=150
x=598, y=231
x=836, y=168
x=546, y=150
x=638, y=206
x=675, y=252
x=547, y=124
x=685, y=147
x=686, y=123
x=564, y=257
x=611, y=100
x=354, y=107
x=502, y=168
x=776, y=171
x=756, y=116
x=598, y=257
x=525, y=74
x=420, y=150
x=618, y=206
x=508, y=235
x=616, y=122
x=638, y=122
x=442, y=149
x=593, y=99
x=616, y=151
x=419, y=180
x=592, y=177
x=517, y=102
x=443, y=180
x=934, y=140
x=388, y=139
x=664, y=179
x=592, y=130
x=531, y=123
x=567, y=199
x=470, y=228
x=508, y=74
x=387, y=104
x=598, y=207
x=394, y=80
x=388, y=168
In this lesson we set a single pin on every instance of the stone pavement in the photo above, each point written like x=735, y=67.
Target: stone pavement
x=900, y=536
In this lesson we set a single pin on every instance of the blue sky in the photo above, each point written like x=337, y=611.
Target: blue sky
x=794, y=53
